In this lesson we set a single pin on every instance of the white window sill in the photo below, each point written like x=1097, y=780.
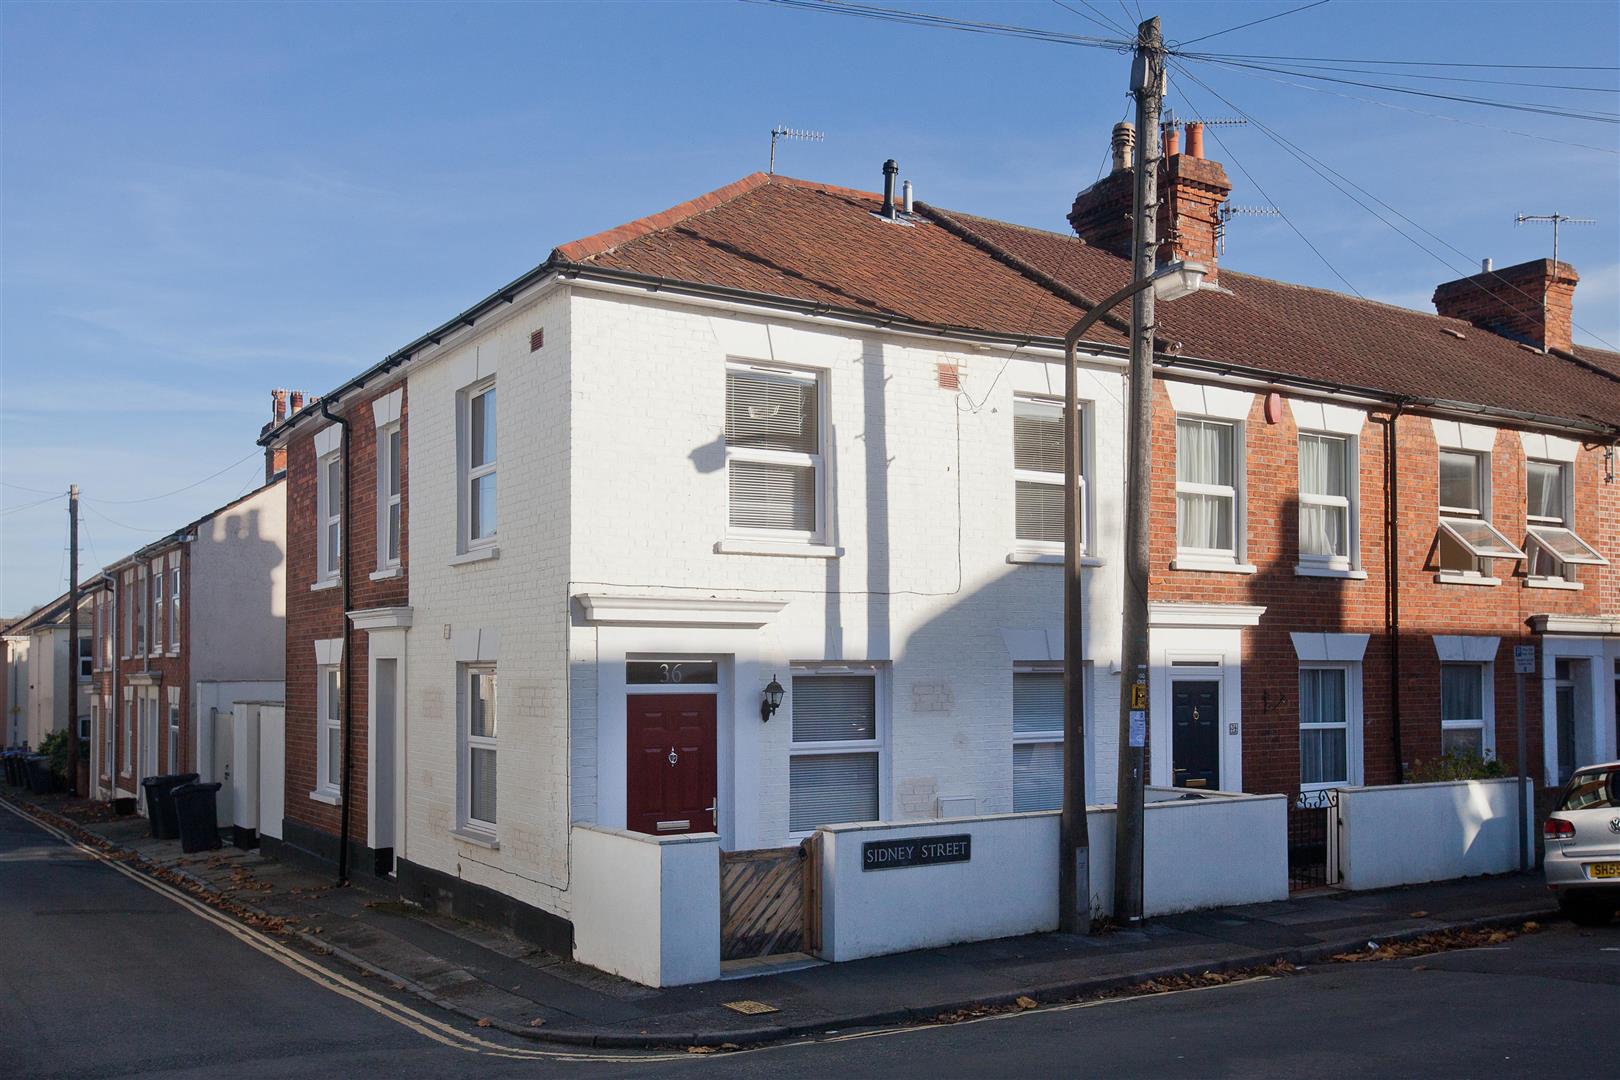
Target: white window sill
x=174, y=652
x=1304, y=570
x=476, y=555
x=326, y=583
x=1553, y=583
x=476, y=838
x=1446, y=577
x=384, y=575
x=1208, y=565
x=777, y=548
x=330, y=798
x=1047, y=558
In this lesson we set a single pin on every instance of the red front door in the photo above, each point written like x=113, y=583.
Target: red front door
x=671, y=771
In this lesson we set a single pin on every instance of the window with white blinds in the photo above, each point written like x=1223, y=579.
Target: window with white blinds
x=1038, y=471
x=1037, y=740
x=773, y=453
x=835, y=758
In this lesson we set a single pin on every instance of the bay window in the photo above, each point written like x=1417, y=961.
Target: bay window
x=774, y=454
x=835, y=757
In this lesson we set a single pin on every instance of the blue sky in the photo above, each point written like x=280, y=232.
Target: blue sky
x=205, y=201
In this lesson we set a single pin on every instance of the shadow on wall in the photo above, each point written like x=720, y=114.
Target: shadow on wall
x=247, y=597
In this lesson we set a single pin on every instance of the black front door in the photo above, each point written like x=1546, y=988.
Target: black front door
x=1195, y=733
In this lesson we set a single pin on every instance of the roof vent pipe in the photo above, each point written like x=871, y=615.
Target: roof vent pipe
x=1485, y=266
x=905, y=196
x=1124, y=144
x=890, y=171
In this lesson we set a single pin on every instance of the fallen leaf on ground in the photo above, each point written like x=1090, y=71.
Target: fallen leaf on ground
x=701, y=1049
x=1024, y=1002
x=537, y=1022
x=1416, y=914
x=484, y=1022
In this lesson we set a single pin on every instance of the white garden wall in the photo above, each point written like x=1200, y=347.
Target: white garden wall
x=1409, y=833
x=1199, y=853
x=647, y=907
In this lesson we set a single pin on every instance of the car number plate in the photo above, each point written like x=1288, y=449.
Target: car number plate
x=1604, y=870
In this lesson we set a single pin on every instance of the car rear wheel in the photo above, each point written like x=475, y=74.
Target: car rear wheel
x=1586, y=912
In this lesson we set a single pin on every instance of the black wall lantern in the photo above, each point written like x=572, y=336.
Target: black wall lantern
x=771, y=701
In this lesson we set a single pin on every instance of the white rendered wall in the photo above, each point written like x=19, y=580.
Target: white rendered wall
x=647, y=907
x=1213, y=852
x=238, y=591
x=1409, y=833
x=510, y=609
x=922, y=509
x=272, y=768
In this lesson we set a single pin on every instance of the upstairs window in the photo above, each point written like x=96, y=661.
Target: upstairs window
x=143, y=602
x=1468, y=540
x=1327, y=500
x=774, y=454
x=160, y=589
x=329, y=514
x=87, y=657
x=389, y=489
x=174, y=608
x=1207, y=488
x=1038, y=469
x=478, y=455
x=1554, y=545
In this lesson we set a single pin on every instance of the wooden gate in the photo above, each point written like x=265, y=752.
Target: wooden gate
x=770, y=901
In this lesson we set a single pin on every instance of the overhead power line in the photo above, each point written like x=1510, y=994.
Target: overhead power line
x=1252, y=22
x=1432, y=78
x=971, y=26
x=176, y=491
x=30, y=505
x=1322, y=169
x=1416, y=63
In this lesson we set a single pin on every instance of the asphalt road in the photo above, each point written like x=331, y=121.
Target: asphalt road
x=102, y=976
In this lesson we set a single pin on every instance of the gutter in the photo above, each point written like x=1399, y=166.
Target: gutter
x=347, y=736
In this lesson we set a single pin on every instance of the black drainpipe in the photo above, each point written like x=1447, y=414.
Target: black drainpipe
x=348, y=727
x=1392, y=580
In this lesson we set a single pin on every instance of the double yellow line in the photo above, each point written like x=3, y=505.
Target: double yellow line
x=453, y=1037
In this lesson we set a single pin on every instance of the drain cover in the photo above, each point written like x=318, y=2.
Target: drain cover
x=751, y=1008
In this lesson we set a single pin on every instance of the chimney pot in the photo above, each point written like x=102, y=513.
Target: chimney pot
x=1124, y=144
x=1172, y=141
x=297, y=400
x=278, y=405
x=1485, y=265
x=1195, y=140
x=905, y=196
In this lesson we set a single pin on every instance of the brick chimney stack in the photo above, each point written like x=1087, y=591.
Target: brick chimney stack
x=1191, y=191
x=1533, y=302
x=275, y=458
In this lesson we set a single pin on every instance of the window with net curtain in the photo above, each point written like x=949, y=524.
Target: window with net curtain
x=1462, y=709
x=1037, y=740
x=833, y=764
x=1325, y=498
x=773, y=452
x=1555, y=545
x=1206, y=486
x=1324, y=727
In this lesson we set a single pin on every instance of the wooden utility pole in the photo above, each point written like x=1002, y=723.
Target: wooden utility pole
x=73, y=642
x=1147, y=85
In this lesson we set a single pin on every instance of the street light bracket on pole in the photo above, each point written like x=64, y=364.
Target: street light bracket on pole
x=1168, y=282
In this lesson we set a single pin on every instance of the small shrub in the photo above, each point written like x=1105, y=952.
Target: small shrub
x=1458, y=765
x=56, y=746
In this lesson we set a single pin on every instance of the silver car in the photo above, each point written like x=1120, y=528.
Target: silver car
x=1583, y=845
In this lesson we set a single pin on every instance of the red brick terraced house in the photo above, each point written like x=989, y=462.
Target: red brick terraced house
x=767, y=439
x=347, y=615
